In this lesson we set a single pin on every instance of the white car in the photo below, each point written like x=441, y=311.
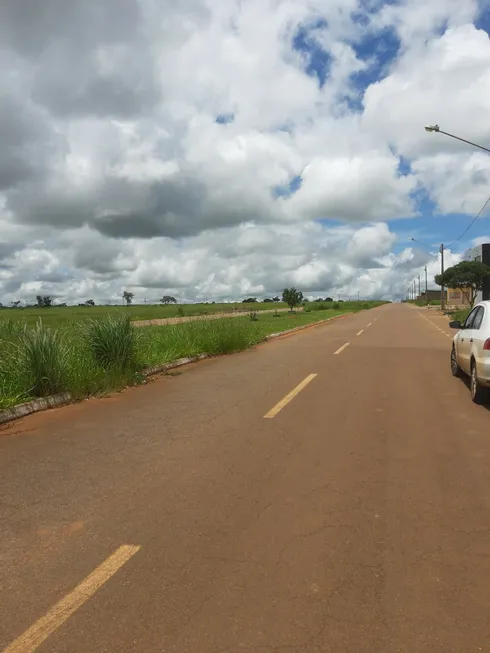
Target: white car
x=471, y=351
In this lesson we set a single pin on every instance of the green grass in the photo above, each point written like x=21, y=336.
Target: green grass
x=58, y=315
x=422, y=302
x=459, y=315
x=96, y=356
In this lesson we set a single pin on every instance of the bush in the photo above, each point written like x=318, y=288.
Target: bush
x=112, y=342
x=253, y=315
x=180, y=312
x=42, y=360
x=336, y=306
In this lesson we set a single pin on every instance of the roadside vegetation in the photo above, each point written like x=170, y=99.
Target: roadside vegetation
x=57, y=315
x=96, y=356
x=459, y=315
x=423, y=302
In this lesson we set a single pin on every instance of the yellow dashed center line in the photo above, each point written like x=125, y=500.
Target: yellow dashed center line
x=341, y=349
x=61, y=611
x=291, y=395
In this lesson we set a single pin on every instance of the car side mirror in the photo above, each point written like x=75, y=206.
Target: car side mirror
x=455, y=325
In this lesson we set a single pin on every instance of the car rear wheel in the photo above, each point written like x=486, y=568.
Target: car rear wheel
x=479, y=394
x=455, y=368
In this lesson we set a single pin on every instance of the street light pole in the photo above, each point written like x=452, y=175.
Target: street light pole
x=419, y=285
x=426, y=291
x=441, y=249
x=435, y=128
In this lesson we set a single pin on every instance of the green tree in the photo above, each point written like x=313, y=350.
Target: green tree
x=465, y=275
x=128, y=297
x=292, y=297
x=167, y=299
x=44, y=301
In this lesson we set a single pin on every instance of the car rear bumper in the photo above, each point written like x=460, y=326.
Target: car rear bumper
x=483, y=369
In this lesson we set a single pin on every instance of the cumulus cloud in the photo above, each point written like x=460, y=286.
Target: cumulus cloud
x=225, y=148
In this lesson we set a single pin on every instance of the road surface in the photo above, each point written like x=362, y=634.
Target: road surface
x=326, y=492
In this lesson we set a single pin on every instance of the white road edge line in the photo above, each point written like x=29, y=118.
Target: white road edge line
x=61, y=611
x=291, y=395
x=341, y=349
x=361, y=331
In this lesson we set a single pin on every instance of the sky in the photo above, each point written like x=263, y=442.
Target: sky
x=222, y=149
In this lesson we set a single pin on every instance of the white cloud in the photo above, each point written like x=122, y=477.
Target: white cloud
x=111, y=154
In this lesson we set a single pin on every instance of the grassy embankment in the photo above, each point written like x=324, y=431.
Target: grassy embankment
x=88, y=357
x=459, y=315
x=56, y=315
x=422, y=302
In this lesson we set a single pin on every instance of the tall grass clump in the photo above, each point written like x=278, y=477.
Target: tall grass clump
x=112, y=342
x=215, y=337
x=225, y=336
x=42, y=357
x=12, y=384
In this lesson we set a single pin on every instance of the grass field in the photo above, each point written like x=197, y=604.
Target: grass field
x=89, y=357
x=57, y=315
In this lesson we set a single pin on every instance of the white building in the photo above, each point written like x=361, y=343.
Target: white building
x=480, y=253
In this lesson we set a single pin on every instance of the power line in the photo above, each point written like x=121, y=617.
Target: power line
x=471, y=223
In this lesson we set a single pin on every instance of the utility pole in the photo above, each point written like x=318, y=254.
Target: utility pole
x=442, y=272
x=426, y=291
x=419, y=285
x=414, y=290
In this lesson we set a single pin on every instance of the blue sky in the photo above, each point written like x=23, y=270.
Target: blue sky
x=379, y=50
x=160, y=161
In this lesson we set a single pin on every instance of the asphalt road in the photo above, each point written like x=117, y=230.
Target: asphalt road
x=206, y=513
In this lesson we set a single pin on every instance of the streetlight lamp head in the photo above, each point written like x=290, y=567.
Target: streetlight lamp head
x=432, y=128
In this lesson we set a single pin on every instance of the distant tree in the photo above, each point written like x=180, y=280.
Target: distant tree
x=468, y=276
x=318, y=300
x=90, y=302
x=328, y=299
x=305, y=300
x=15, y=304
x=44, y=301
x=128, y=297
x=292, y=297
x=267, y=300
x=250, y=300
x=167, y=299
x=276, y=299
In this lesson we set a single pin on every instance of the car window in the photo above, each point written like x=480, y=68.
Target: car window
x=468, y=324
x=477, y=320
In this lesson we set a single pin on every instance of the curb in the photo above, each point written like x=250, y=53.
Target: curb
x=54, y=401
x=170, y=366
x=305, y=326
x=34, y=406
